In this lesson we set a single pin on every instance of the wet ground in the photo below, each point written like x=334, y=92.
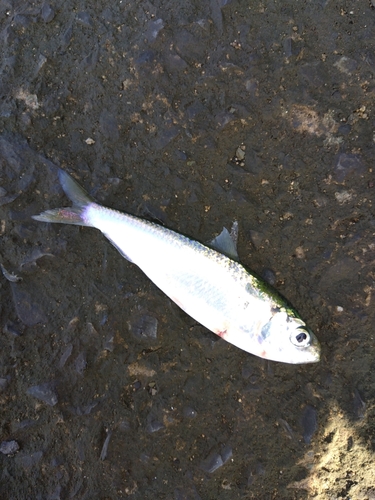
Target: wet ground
x=194, y=114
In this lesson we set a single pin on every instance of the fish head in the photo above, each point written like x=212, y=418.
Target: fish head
x=286, y=338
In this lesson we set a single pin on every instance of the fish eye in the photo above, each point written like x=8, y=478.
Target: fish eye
x=300, y=338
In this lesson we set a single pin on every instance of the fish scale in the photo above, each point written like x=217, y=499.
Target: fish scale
x=215, y=290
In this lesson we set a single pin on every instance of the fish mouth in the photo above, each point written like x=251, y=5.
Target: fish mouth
x=315, y=356
x=314, y=351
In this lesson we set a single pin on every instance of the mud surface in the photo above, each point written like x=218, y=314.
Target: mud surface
x=194, y=114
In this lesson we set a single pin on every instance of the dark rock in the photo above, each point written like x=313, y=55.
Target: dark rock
x=154, y=426
x=253, y=164
x=189, y=412
x=65, y=355
x=47, y=13
x=29, y=312
x=154, y=27
x=344, y=269
x=9, y=447
x=80, y=363
x=309, y=423
x=212, y=462
x=144, y=327
x=145, y=59
x=4, y=381
x=66, y=36
x=174, y=62
x=313, y=74
x=84, y=18
x=344, y=129
x=13, y=329
x=347, y=164
x=291, y=47
x=44, y=392
x=222, y=119
x=104, y=451
x=109, y=126
x=165, y=135
x=269, y=276
x=256, y=237
x=90, y=61
x=216, y=460
x=359, y=406
x=28, y=461
x=346, y=65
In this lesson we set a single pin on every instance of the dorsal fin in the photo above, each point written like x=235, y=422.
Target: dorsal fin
x=226, y=242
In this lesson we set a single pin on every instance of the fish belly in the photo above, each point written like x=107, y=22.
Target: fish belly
x=208, y=286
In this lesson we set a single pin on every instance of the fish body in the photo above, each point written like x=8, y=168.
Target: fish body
x=212, y=288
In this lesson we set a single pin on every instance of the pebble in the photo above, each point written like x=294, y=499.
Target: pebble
x=47, y=13
x=144, y=327
x=359, y=405
x=109, y=126
x=44, y=392
x=346, y=65
x=3, y=383
x=212, y=463
x=104, y=451
x=154, y=426
x=28, y=461
x=10, y=276
x=269, y=276
x=84, y=18
x=65, y=355
x=80, y=363
x=189, y=412
x=174, y=62
x=347, y=164
x=240, y=153
x=216, y=460
x=256, y=238
x=165, y=135
x=153, y=30
x=29, y=312
x=9, y=447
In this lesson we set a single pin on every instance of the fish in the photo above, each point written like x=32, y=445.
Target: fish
x=211, y=287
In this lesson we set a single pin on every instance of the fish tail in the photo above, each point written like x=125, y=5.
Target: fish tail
x=71, y=215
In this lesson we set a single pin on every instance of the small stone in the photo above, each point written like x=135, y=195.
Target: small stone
x=80, y=363
x=256, y=237
x=28, y=461
x=348, y=164
x=47, y=13
x=43, y=392
x=9, y=447
x=240, y=153
x=144, y=327
x=84, y=18
x=346, y=65
x=212, y=463
x=299, y=252
x=153, y=29
x=189, y=412
x=343, y=196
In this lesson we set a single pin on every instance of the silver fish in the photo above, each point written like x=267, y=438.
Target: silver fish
x=215, y=290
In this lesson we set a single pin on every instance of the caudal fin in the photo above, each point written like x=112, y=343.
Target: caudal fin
x=73, y=215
